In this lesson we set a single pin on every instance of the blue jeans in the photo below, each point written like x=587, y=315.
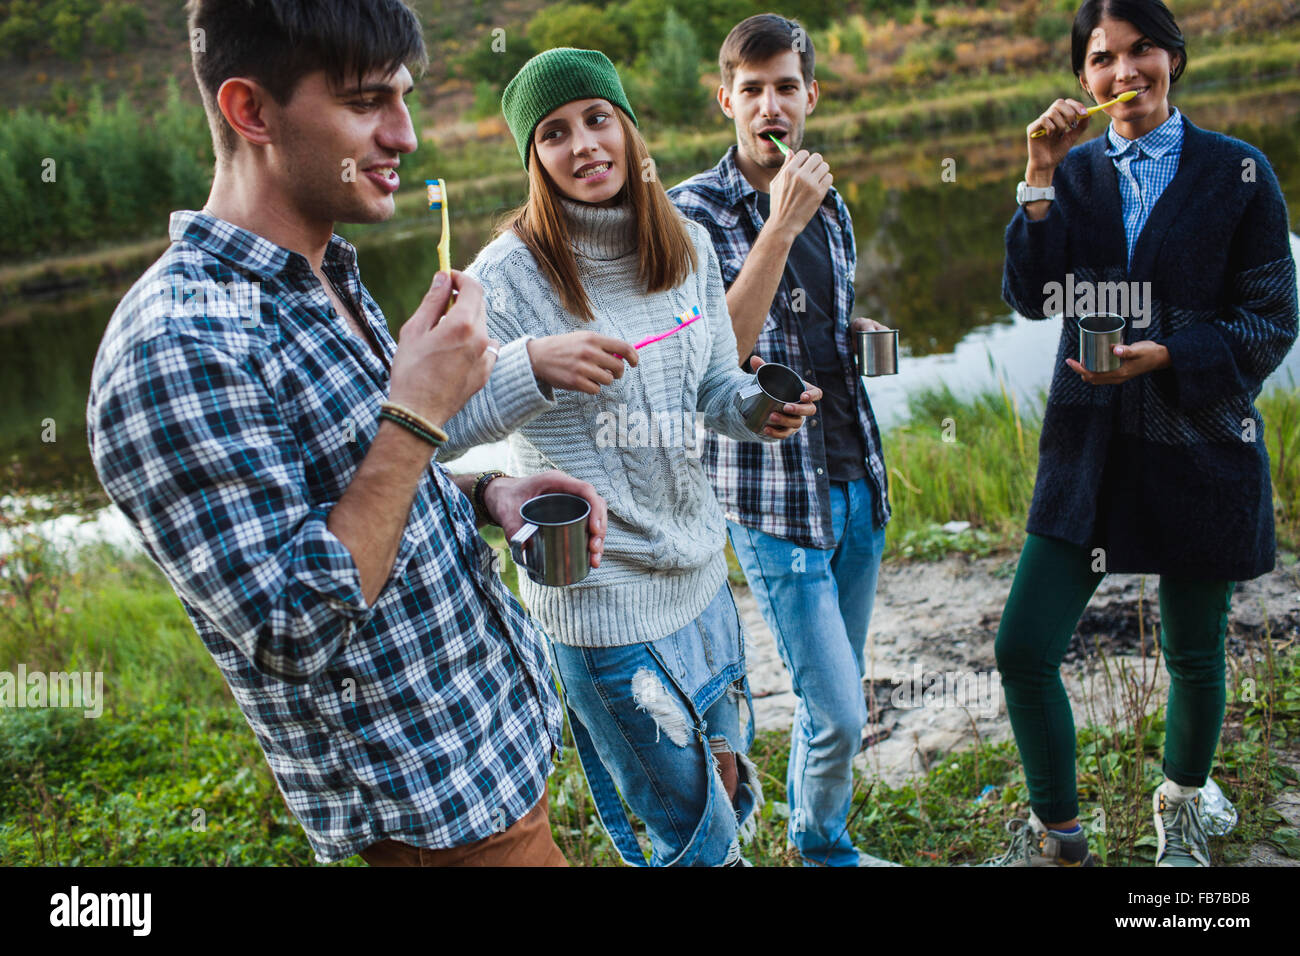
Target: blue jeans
x=646, y=720
x=818, y=604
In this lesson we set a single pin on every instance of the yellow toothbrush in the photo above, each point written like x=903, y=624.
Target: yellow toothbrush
x=438, y=200
x=437, y=192
x=1122, y=98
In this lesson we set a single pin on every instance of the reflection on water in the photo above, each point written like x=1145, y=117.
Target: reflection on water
x=930, y=260
x=929, y=264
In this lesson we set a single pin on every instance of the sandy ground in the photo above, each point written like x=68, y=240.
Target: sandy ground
x=932, y=619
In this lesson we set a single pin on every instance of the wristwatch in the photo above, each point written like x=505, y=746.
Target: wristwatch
x=1027, y=193
x=476, y=498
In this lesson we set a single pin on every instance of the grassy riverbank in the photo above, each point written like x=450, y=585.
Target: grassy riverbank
x=171, y=774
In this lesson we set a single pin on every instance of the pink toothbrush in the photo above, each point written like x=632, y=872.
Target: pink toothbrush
x=682, y=321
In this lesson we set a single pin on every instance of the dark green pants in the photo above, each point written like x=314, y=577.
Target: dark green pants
x=1054, y=581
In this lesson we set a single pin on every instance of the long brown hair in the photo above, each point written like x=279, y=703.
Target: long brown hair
x=667, y=256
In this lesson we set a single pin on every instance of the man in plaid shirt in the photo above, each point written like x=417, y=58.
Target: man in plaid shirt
x=806, y=517
x=333, y=570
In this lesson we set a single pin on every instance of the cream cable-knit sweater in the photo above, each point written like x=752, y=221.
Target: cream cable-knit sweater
x=635, y=441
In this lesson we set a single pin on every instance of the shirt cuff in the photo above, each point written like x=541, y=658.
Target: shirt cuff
x=519, y=395
x=325, y=566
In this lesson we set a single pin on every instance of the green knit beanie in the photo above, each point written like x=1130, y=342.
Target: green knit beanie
x=553, y=78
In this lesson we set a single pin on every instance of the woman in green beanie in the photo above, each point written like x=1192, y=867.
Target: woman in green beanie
x=648, y=646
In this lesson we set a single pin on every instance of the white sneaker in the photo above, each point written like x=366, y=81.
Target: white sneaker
x=866, y=859
x=1180, y=833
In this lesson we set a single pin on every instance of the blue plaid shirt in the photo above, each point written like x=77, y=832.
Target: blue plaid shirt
x=1144, y=167
x=781, y=489
x=229, y=409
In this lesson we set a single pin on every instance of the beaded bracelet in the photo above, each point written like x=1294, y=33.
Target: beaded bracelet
x=411, y=427
x=476, y=496
x=401, y=415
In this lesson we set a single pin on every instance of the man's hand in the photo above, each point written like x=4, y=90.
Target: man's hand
x=442, y=360
x=866, y=325
x=1139, y=358
x=503, y=496
x=580, y=361
x=783, y=426
x=797, y=190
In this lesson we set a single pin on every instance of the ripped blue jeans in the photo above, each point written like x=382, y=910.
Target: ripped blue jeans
x=646, y=721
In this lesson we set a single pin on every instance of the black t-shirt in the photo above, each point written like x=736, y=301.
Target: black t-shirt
x=808, y=267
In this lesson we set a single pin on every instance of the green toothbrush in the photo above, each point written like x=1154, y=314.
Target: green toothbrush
x=785, y=150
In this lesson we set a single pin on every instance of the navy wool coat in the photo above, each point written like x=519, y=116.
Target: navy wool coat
x=1167, y=472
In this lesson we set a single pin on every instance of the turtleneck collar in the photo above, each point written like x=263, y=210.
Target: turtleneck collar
x=600, y=232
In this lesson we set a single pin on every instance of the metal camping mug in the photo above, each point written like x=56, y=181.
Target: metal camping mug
x=1099, y=333
x=552, y=544
x=774, y=387
x=876, y=352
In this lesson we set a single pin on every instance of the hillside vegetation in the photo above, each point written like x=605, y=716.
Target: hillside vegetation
x=105, y=135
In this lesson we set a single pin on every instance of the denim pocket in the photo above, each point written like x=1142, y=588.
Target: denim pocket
x=707, y=655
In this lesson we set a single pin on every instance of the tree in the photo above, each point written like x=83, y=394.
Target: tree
x=582, y=25
x=116, y=24
x=496, y=58
x=675, y=62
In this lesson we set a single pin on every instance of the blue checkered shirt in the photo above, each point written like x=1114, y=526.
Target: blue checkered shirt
x=229, y=409
x=1144, y=167
x=781, y=489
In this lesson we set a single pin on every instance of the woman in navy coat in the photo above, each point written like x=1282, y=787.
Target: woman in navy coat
x=1160, y=466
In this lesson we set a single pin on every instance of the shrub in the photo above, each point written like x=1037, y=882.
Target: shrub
x=114, y=25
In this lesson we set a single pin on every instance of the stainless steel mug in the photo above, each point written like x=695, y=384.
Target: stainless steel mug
x=552, y=544
x=1099, y=333
x=774, y=387
x=876, y=352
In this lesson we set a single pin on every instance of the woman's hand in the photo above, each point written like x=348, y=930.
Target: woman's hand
x=580, y=361
x=1065, y=120
x=1138, y=359
x=783, y=426
x=503, y=496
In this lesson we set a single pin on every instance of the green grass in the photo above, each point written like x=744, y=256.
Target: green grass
x=165, y=784
x=164, y=780
x=1281, y=410
x=957, y=458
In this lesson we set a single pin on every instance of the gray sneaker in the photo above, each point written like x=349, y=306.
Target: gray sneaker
x=1032, y=844
x=1179, y=829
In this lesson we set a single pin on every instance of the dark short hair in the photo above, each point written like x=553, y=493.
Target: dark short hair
x=757, y=39
x=278, y=42
x=1151, y=17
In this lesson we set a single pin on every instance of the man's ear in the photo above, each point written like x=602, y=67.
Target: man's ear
x=243, y=102
x=724, y=102
x=814, y=93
